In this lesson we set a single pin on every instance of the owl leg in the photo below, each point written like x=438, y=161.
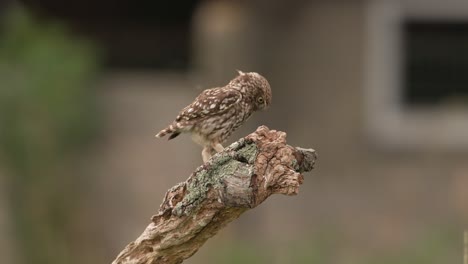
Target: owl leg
x=206, y=153
x=217, y=146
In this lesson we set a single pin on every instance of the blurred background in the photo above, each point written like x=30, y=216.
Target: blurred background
x=379, y=88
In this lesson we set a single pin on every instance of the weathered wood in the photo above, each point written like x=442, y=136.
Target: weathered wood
x=238, y=179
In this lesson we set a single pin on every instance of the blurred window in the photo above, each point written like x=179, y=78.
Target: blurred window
x=143, y=34
x=417, y=74
x=436, y=62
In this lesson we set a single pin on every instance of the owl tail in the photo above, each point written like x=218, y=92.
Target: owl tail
x=172, y=129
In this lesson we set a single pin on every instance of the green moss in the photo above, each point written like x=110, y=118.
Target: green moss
x=249, y=152
x=213, y=177
x=295, y=165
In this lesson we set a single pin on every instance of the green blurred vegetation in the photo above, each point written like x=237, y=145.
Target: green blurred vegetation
x=442, y=245
x=47, y=113
x=435, y=247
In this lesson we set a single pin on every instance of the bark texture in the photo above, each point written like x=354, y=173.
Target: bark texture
x=233, y=181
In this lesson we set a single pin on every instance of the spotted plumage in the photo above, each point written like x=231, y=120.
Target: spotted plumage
x=217, y=112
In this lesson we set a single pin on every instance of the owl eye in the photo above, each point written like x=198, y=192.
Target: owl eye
x=260, y=100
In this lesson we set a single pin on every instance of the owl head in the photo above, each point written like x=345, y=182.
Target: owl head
x=255, y=87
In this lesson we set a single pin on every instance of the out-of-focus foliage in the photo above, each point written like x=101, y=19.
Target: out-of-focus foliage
x=444, y=246
x=47, y=112
x=324, y=248
x=45, y=96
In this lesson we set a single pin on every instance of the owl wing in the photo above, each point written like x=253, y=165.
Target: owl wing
x=210, y=102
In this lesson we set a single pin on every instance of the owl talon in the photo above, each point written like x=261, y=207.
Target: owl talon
x=218, y=147
x=206, y=154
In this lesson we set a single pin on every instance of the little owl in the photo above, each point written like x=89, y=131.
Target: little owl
x=217, y=112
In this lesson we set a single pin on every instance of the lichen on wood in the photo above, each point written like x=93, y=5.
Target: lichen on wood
x=233, y=181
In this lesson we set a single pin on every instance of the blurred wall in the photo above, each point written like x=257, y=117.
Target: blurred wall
x=313, y=54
